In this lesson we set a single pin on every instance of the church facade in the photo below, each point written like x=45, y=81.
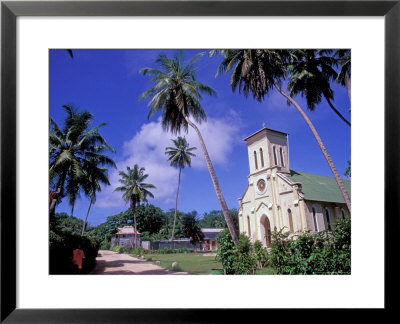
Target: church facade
x=279, y=198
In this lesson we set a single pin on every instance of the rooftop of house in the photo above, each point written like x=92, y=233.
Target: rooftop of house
x=210, y=233
x=319, y=188
x=126, y=230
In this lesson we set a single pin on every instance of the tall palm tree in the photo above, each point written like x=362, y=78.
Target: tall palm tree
x=95, y=177
x=343, y=56
x=70, y=150
x=134, y=189
x=256, y=73
x=179, y=157
x=177, y=94
x=310, y=74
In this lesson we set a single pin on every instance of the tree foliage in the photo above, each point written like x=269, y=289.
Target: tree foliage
x=326, y=252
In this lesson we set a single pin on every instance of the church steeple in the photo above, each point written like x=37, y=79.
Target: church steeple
x=267, y=149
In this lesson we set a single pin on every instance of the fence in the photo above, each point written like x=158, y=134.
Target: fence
x=159, y=245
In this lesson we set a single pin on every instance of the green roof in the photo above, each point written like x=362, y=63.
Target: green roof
x=320, y=188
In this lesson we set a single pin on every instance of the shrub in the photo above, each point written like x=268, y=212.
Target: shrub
x=261, y=254
x=225, y=252
x=61, y=245
x=236, y=260
x=244, y=260
x=327, y=252
x=139, y=251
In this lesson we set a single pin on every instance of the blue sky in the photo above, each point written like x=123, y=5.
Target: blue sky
x=107, y=83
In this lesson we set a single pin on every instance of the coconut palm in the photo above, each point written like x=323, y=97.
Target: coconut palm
x=179, y=157
x=134, y=189
x=70, y=150
x=310, y=74
x=343, y=57
x=95, y=177
x=256, y=73
x=177, y=94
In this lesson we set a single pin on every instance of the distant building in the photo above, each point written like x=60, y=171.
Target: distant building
x=210, y=238
x=280, y=198
x=125, y=236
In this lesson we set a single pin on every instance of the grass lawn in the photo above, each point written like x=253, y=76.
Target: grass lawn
x=198, y=264
x=193, y=263
x=266, y=271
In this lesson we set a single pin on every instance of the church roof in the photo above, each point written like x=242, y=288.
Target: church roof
x=319, y=188
x=264, y=129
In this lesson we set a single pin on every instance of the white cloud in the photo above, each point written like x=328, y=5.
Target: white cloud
x=147, y=148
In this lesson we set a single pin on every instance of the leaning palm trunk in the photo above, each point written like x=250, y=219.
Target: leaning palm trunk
x=176, y=204
x=321, y=145
x=347, y=81
x=337, y=112
x=87, y=214
x=217, y=188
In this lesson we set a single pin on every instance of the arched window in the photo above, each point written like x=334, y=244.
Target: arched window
x=255, y=159
x=328, y=220
x=343, y=214
x=314, y=219
x=290, y=220
x=248, y=226
x=276, y=161
x=261, y=157
x=282, y=160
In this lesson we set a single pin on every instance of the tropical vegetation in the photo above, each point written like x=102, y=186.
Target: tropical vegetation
x=134, y=189
x=177, y=94
x=257, y=72
x=179, y=157
x=76, y=158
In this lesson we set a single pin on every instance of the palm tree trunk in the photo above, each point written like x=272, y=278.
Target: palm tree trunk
x=87, y=214
x=347, y=81
x=133, y=207
x=321, y=145
x=176, y=204
x=337, y=111
x=217, y=187
x=53, y=197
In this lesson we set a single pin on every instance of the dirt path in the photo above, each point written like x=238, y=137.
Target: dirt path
x=113, y=263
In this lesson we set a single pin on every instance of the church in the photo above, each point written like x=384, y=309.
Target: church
x=279, y=198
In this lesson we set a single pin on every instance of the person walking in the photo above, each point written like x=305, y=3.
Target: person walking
x=77, y=256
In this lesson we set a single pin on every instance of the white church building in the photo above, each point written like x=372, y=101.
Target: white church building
x=278, y=197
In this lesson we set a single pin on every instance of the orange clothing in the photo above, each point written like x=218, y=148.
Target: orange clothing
x=78, y=255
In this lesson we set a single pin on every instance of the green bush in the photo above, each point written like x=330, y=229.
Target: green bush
x=261, y=254
x=61, y=245
x=326, y=252
x=244, y=260
x=225, y=253
x=236, y=260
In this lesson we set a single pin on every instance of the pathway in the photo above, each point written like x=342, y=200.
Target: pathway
x=113, y=263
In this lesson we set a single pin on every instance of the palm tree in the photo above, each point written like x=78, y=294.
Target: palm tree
x=179, y=156
x=95, y=176
x=310, y=73
x=70, y=150
x=134, y=189
x=343, y=56
x=256, y=73
x=192, y=229
x=177, y=94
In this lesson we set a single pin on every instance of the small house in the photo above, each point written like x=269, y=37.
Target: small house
x=125, y=236
x=210, y=238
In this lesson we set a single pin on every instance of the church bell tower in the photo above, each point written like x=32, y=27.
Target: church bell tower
x=268, y=150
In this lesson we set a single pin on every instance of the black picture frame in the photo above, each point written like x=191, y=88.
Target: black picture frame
x=10, y=10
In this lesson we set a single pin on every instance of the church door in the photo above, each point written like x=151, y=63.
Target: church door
x=267, y=228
